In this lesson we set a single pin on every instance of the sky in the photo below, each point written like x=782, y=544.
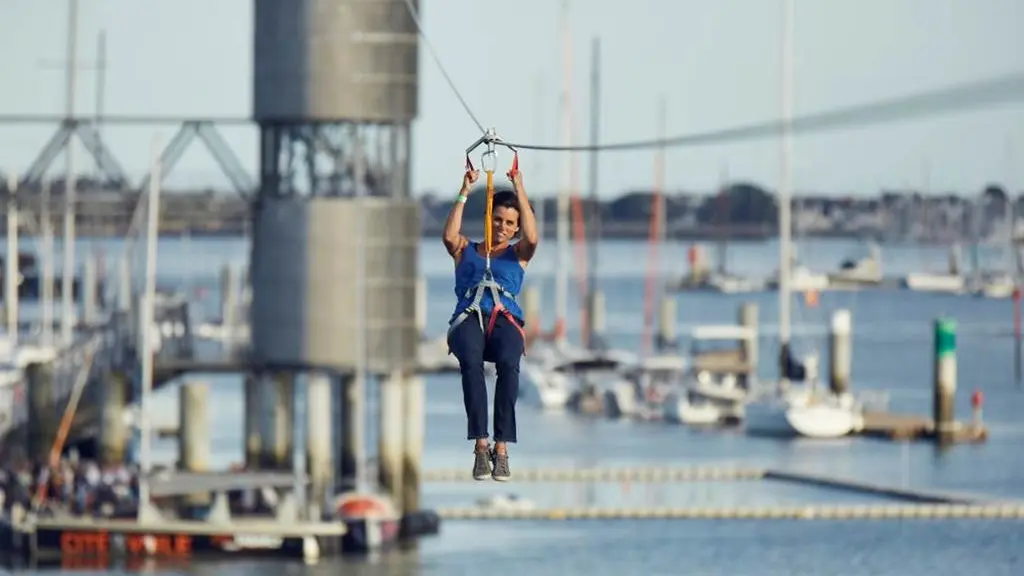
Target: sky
x=715, y=65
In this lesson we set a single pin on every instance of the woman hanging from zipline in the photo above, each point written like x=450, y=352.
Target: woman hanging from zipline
x=487, y=325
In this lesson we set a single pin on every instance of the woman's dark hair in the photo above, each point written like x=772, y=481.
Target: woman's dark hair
x=506, y=199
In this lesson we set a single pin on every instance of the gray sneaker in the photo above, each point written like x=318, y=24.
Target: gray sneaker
x=481, y=464
x=502, y=472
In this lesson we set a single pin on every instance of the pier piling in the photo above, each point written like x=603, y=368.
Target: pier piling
x=42, y=416
x=352, y=437
x=229, y=294
x=194, y=437
x=414, y=410
x=278, y=440
x=90, y=290
x=391, y=436
x=945, y=380
x=113, y=440
x=421, y=305
x=596, y=316
x=319, y=463
x=124, y=286
x=531, y=306
x=667, y=338
x=840, y=351
x=253, y=406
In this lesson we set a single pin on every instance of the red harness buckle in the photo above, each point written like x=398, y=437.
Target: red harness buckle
x=500, y=309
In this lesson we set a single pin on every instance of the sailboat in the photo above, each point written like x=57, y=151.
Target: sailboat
x=797, y=407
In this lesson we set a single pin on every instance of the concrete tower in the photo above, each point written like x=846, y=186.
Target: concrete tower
x=334, y=230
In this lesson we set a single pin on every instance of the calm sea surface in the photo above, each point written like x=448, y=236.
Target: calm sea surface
x=892, y=351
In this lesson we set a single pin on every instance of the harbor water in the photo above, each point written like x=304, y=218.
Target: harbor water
x=892, y=351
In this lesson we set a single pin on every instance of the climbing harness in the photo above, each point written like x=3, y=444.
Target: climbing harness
x=488, y=160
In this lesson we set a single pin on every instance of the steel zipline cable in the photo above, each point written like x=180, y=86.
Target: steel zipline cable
x=437, y=60
x=1001, y=90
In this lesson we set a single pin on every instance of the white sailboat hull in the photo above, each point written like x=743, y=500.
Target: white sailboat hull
x=552, y=389
x=792, y=419
x=620, y=400
x=924, y=282
x=680, y=410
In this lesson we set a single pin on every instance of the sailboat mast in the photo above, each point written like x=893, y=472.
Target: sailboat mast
x=785, y=181
x=1011, y=264
x=595, y=127
x=722, y=217
x=562, y=208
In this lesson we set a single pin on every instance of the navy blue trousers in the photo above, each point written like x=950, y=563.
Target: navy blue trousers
x=504, y=347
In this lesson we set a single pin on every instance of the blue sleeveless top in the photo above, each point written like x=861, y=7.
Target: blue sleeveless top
x=506, y=270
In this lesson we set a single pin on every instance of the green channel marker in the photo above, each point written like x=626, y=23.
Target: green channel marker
x=945, y=337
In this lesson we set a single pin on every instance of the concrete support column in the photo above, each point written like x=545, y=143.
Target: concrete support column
x=391, y=436
x=253, y=405
x=414, y=409
x=278, y=439
x=42, y=411
x=194, y=436
x=319, y=461
x=113, y=441
x=352, y=442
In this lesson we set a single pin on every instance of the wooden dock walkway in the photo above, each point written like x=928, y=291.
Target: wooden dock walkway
x=890, y=426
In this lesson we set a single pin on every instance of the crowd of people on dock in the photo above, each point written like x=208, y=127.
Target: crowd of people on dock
x=79, y=487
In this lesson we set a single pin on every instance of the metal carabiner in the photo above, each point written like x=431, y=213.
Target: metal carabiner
x=489, y=159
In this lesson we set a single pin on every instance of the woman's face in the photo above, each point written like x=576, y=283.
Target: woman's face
x=506, y=224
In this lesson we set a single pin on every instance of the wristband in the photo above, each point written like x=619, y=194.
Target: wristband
x=461, y=198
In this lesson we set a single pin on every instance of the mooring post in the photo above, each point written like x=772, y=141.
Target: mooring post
x=596, y=316
x=113, y=442
x=840, y=351
x=319, y=463
x=90, y=290
x=253, y=406
x=414, y=410
x=391, y=436
x=193, y=439
x=421, y=305
x=945, y=380
x=229, y=293
x=667, y=338
x=748, y=346
x=531, y=307
x=42, y=415
x=278, y=440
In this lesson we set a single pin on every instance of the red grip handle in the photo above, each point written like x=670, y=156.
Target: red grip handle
x=515, y=166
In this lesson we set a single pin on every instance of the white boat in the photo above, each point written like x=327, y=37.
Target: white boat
x=930, y=282
x=802, y=279
x=804, y=411
x=551, y=389
x=996, y=286
x=683, y=408
x=789, y=410
x=866, y=271
x=731, y=284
